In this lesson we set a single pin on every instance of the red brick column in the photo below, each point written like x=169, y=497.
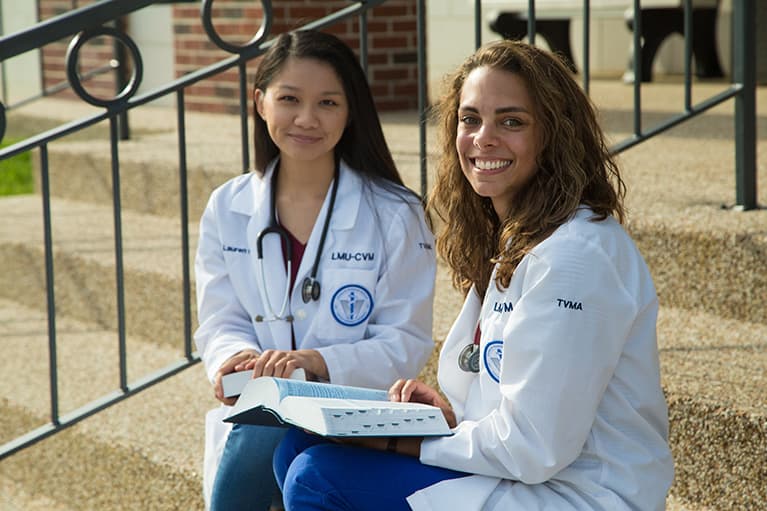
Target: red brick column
x=96, y=53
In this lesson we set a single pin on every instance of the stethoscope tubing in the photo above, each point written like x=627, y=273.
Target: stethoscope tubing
x=262, y=288
x=310, y=288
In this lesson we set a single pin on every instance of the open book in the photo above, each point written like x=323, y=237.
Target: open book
x=333, y=410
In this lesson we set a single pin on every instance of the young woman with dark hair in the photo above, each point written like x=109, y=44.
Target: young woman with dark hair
x=320, y=260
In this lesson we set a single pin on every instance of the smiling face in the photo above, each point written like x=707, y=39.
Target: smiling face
x=497, y=138
x=305, y=110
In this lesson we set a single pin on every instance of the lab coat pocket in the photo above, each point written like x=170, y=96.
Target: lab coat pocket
x=347, y=302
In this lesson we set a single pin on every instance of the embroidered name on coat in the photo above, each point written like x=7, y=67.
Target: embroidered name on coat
x=502, y=307
x=353, y=256
x=567, y=304
x=239, y=250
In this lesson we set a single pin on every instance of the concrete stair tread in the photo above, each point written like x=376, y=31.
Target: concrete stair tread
x=714, y=360
x=150, y=243
x=142, y=453
x=205, y=144
x=147, y=449
x=84, y=265
x=15, y=496
x=87, y=356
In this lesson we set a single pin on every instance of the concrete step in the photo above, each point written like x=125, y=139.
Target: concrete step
x=142, y=453
x=707, y=261
x=87, y=362
x=717, y=270
x=81, y=168
x=84, y=265
x=713, y=373
x=80, y=164
x=16, y=496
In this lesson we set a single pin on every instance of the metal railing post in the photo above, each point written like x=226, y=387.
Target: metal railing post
x=531, y=21
x=477, y=24
x=363, y=20
x=586, y=66
x=744, y=74
x=122, y=77
x=422, y=101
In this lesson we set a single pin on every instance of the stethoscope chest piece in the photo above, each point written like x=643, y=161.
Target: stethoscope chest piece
x=310, y=290
x=468, y=359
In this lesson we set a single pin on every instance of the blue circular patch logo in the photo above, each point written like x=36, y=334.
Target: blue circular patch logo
x=351, y=305
x=492, y=359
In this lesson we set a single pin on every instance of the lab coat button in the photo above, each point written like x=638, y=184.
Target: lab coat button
x=300, y=314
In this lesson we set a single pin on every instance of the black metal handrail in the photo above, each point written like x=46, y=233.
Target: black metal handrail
x=86, y=23
x=742, y=89
x=67, y=24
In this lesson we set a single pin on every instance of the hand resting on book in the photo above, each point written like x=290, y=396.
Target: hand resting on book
x=405, y=391
x=230, y=366
x=415, y=391
x=280, y=364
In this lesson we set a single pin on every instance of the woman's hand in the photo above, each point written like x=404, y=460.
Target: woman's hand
x=235, y=363
x=418, y=392
x=281, y=364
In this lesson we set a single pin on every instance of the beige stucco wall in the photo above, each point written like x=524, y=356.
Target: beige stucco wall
x=152, y=30
x=20, y=75
x=450, y=38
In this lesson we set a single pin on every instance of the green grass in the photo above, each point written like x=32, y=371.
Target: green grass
x=16, y=173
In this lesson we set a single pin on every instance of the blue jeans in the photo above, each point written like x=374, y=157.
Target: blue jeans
x=245, y=479
x=315, y=474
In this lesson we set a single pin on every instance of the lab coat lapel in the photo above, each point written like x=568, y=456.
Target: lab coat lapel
x=343, y=217
x=491, y=325
x=453, y=381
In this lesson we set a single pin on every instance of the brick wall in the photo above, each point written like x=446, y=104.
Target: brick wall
x=392, y=42
x=95, y=54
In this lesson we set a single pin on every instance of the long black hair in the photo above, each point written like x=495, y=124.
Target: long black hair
x=362, y=145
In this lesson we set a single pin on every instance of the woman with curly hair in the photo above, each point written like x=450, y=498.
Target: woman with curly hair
x=551, y=369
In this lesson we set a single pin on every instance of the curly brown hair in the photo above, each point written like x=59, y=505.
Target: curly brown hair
x=575, y=168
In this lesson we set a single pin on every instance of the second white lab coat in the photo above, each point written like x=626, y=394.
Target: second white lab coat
x=567, y=411
x=378, y=253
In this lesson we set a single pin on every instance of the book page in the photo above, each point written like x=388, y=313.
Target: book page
x=327, y=390
x=233, y=383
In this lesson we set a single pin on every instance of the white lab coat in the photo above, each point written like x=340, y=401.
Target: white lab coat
x=376, y=242
x=567, y=411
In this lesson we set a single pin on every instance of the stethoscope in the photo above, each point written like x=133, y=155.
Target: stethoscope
x=468, y=359
x=310, y=287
